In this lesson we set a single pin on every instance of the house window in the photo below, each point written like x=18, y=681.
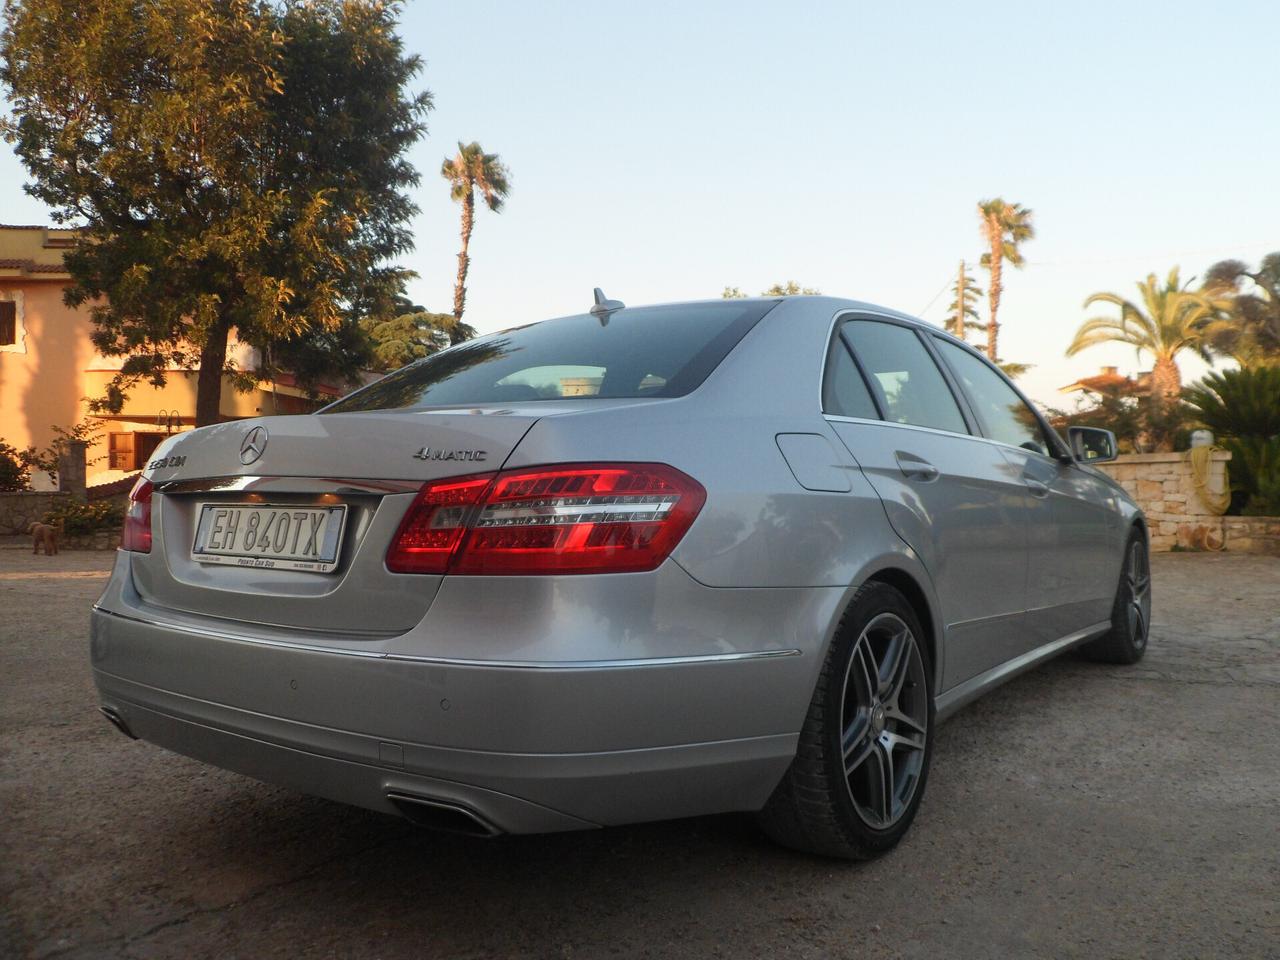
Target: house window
x=131, y=451
x=8, y=323
x=120, y=451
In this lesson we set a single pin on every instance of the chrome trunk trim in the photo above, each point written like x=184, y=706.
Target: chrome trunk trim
x=256, y=484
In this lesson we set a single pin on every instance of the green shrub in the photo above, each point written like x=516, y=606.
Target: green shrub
x=1242, y=408
x=80, y=518
x=1239, y=403
x=14, y=471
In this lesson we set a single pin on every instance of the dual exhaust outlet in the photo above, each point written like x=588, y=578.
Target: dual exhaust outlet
x=423, y=811
x=441, y=815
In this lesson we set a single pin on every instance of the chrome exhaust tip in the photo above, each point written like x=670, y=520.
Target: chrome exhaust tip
x=442, y=815
x=117, y=722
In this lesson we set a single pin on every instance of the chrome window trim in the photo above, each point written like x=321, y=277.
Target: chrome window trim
x=921, y=330
x=455, y=661
x=946, y=433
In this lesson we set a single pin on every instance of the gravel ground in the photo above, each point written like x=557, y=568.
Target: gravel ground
x=1081, y=811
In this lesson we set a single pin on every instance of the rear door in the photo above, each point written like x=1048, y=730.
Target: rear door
x=1071, y=566
x=953, y=498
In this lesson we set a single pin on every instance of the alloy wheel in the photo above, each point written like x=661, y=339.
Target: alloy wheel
x=884, y=721
x=1137, y=585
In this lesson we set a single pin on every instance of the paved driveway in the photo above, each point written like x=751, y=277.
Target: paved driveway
x=1081, y=811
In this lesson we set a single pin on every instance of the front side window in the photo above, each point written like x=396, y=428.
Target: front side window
x=638, y=352
x=1003, y=414
x=908, y=384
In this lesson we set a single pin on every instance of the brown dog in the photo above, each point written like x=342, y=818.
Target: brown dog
x=46, y=534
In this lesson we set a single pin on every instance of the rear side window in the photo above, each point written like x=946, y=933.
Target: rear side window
x=844, y=392
x=639, y=352
x=907, y=383
x=1003, y=414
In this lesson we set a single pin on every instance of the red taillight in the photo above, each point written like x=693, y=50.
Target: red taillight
x=136, y=535
x=433, y=527
x=575, y=518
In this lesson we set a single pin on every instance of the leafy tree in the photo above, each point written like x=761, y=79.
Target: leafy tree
x=15, y=471
x=237, y=166
x=962, y=312
x=1140, y=426
x=413, y=333
x=788, y=289
x=1250, y=329
x=1169, y=319
x=469, y=170
x=1005, y=226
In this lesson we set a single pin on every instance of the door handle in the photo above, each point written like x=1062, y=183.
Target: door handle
x=915, y=468
x=1037, y=488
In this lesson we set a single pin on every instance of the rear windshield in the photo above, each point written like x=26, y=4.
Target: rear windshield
x=638, y=352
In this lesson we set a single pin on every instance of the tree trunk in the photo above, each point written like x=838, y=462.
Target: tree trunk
x=464, y=261
x=993, y=295
x=213, y=357
x=1166, y=381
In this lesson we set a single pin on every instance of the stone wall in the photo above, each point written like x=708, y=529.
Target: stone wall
x=98, y=540
x=1163, y=486
x=19, y=510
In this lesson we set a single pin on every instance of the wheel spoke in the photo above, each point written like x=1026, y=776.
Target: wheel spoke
x=1139, y=625
x=865, y=661
x=893, y=669
x=914, y=726
x=855, y=743
x=883, y=789
x=897, y=740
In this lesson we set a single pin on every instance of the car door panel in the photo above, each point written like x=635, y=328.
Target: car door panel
x=961, y=507
x=1070, y=579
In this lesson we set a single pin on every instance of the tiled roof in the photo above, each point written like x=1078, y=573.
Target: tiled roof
x=30, y=266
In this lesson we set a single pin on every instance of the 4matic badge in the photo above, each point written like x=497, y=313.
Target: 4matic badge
x=436, y=453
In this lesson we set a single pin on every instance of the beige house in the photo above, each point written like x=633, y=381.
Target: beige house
x=48, y=367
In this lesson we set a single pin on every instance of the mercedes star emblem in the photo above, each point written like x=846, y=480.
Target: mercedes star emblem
x=255, y=441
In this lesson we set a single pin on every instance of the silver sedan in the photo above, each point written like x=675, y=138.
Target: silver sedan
x=634, y=564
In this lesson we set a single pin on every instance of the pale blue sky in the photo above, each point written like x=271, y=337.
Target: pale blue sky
x=666, y=150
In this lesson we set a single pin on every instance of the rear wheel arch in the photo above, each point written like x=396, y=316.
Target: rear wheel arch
x=909, y=587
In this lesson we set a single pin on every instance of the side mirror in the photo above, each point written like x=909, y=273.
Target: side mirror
x=1091, y=444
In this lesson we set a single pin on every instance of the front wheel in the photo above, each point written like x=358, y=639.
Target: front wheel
x=863, y=758
x=1126, y=641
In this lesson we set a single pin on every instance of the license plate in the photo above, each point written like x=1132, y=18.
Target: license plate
x=274, y=536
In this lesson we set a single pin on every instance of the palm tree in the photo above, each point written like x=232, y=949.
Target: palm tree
x=1249, y=327
x=1170, y=319
x=469, y=170
x=1004, y=227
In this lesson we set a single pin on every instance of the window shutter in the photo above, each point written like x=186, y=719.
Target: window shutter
x=120, y=447
x=8, y=322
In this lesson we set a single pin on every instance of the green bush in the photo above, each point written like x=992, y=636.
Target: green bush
x=1242, y=408
x=80, y=518
x=14, y=472
x=1239, y=403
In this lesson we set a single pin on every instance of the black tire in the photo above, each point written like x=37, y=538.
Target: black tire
x=819, y=806
x=1126, y=641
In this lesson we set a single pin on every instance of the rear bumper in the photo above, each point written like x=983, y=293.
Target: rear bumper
x=527, y=747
